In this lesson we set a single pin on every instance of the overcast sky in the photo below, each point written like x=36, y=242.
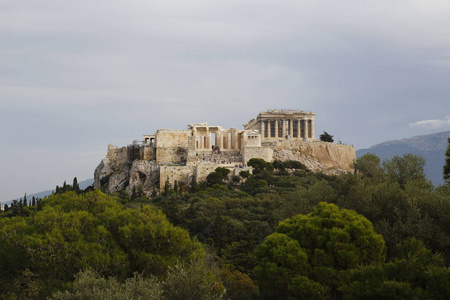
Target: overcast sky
x=78, y=75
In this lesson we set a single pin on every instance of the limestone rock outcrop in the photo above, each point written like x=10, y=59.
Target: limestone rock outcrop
x=322, y=157
x=122, y=171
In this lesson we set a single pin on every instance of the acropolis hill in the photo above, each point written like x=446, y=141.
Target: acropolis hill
x=191, y=154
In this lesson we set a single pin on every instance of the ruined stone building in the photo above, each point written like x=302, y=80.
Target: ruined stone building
x=191, y=154
x=275, y=124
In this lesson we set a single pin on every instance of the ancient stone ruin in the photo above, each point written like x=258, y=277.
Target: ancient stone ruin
x=190, y=155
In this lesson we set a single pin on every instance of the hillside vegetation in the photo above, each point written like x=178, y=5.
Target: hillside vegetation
x=282, y=232
x=431, y=147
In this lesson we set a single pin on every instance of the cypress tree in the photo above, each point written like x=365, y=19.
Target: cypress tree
x=133, y=193
x=167, y=186
x=38, y=204
x=75, y=185
x=20, y=207
x=175, y=186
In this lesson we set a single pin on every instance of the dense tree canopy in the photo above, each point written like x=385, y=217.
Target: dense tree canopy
x=308, y=254
x=50, y=245
x=74, y=232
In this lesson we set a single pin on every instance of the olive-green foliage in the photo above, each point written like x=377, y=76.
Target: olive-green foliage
x=400, y=203
x=191, y=281
x=369, y=165
x=90, y=285
x=294, y=164
x=407, y=168
x=414, y=273
x=259, y=165
x=186, y=280
x=218, y=176
x=244, y=174
x=309, y=254
x=239, y=286
x=74, y=232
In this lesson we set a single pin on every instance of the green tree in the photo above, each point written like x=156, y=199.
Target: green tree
x=75, y=186
x=222, y=171
x=309, y=255
x=167, y=186
x=369, y=165
x=218, y=176
x=191, y=281
x=414, y=273
x=407, y=168
x=89, y=284
x=239, y=286
x=278, y=164
x=259, y=165
x=244, y=174
x=294, y=164
x=326, y=137
x=447, y=163
x=74, y=232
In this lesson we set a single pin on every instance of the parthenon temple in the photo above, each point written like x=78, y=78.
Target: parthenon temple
x=280, y=124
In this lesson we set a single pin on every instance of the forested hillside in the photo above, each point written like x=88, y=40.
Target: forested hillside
x=282, y=232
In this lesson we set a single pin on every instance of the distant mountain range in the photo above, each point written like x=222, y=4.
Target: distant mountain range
x=432, y=147
x=82, y=184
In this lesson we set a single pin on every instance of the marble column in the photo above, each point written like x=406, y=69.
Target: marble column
x=306, y=129
x=219, y=139
x=312, y=129
x=262, y=123
x=291, y=126
x=276, y=128
x=269, y=128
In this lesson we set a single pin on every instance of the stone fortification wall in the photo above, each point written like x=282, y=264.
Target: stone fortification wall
x=249, y=152
x=204, y=169
x=171, y=145
x=199, y=172
x=317, y=156
x=117, y=155
x=178, y=173
x=147, y=153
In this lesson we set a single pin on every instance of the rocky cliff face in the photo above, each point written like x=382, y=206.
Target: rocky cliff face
x=323, y=157
x=122, y=170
